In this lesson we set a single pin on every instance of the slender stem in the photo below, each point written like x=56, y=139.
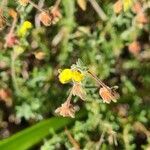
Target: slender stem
x=13, y=73
x=69, y=97
x=13, y=25
x=98, y=9
x=101, y=140
x=97, y=80
x=91, y=87
x=36, y=6
x=72, y=140
x=57, y=3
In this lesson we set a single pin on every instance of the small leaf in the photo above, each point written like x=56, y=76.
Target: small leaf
x=82, y=4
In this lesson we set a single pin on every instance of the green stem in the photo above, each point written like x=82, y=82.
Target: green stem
x=13, y=74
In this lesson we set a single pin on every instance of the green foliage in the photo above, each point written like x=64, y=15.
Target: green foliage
x=32, y=135
x=105, y=48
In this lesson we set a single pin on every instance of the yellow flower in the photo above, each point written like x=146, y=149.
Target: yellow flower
x=127, y=4
x=27, y=25
x=24, y=28
x=65, y=76
x=77, y=76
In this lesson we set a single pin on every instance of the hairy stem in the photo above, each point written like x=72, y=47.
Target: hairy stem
x=36, y=6
x=13, y=73
x=97, y=80
x=98, y=9
x=57, y=3
x=101, y=140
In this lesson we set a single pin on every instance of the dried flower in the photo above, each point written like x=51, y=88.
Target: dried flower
x=137, y=7
x=45, y=18
x=5, y=95
x=79, y=91
x=56, y=15
x=108, y=95
x=24, y=28
x=66, y=110
x=142, y=18
x=23, y=2
x=134, y=47
x=11, y=40
x=39, y=55
x=50, y=17
x=118, y=7
x=12, y=13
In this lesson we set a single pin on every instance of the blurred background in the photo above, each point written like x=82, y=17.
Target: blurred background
x=112, y=38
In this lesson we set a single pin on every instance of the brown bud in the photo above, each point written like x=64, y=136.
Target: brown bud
x=108, y=95
x=66, y=110
x=5, y=95
x=39, y=55
x=136, y=8
x=10, y=40
x=118, y=7
x=12, y=13
x=142, y=18
x=134, y=47
x=79, y=91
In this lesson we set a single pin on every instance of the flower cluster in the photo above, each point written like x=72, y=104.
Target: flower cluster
x=136, y=8
x=24, y=28
x=48, y=16
x=67, y=75
x=76, y=75
x=139, y=9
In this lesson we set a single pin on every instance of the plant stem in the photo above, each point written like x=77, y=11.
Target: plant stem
x=13, y=25
x=13, y=73
x=98, y=9
x=101, y=140
x=97, y=80
x=36, y=6
x=57, y=3
x=69, y=97
x=72, y=140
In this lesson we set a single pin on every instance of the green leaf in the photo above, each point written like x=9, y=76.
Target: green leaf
x=28, y=137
